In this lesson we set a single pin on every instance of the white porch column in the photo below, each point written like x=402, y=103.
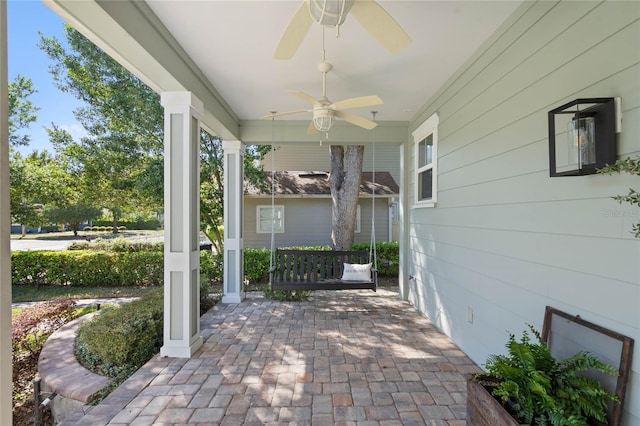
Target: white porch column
x=182, y=111
x=233, y=215
x=6, y=371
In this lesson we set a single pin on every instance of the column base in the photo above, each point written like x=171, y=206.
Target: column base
x=233, y=298
x=181, y=351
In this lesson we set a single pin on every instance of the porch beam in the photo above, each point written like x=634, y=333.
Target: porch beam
x=133, y=35
x=260, y=132
x=182, y=111
x=233, y=286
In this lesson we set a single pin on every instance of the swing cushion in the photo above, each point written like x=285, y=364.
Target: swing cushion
x=356, y=272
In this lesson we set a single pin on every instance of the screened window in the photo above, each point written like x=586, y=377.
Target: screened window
x=425, y=139
x=268, y=217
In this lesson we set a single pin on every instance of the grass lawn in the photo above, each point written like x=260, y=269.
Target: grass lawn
x=23, y=293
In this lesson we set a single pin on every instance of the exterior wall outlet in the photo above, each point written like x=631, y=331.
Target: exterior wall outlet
x=469, y=315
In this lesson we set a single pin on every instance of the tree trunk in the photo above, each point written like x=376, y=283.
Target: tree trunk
x=115, y=221
x=344, y=181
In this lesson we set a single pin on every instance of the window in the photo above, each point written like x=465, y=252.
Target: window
x=268, y=217
x=425, y=139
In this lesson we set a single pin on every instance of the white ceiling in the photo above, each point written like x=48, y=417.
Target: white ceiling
x=232, y=42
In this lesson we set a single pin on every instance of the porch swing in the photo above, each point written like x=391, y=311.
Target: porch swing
x=294, y=269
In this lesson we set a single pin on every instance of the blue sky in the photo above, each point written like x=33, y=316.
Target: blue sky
x=26, y=18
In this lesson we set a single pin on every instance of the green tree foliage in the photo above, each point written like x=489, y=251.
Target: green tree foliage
x=631, y=166
x=122, y=159
x=124, y=119
x=73, y=215
x=36, y=180
x=22, y=112
x=212, y=182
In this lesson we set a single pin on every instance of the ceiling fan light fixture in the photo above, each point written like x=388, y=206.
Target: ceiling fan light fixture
x=323, y=119
x=329, y=12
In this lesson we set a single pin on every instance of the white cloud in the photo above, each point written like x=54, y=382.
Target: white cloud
x=75, y=130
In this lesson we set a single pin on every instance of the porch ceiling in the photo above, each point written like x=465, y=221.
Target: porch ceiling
x=222, y=51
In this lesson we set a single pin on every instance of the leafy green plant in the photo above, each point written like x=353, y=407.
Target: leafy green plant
x=388, y=254
x=122, y=338
x=31, y=326
x=631, y=166
x=539, y=390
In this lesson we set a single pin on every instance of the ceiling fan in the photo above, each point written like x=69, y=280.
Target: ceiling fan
x=325, y=112
x=375, y=20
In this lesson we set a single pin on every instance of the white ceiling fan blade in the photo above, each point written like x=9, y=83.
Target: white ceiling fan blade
x=362, y=101
x=294, y=34
x=280, y=114
x=356, y=119
x=311, y=130
x=304, y=96
x=380, y=25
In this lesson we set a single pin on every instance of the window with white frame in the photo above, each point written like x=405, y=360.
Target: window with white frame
x=425, y=140
x=268, y=216
x=358, y=223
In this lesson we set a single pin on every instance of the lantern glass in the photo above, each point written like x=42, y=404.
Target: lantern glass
x=581, y=141
x=323, y=122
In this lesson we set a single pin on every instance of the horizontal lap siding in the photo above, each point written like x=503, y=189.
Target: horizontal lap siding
x=506, y=239
x=308, y=222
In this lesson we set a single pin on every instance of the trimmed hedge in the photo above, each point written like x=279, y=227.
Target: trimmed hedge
x=140, y=223
x=86, y=268
x=132, y=264
x=122, y=339
x=388, y=255
x=119, y=244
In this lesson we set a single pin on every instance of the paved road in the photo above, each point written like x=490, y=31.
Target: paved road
x=31, y=244
x=17, y=245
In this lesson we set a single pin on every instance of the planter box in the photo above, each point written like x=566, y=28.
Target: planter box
x=483, y=409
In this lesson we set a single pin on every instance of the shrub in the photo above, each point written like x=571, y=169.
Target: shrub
x=211, y=265
x=86, y=268
x=151, y=223
x=388, y=254
x=122, y=228
x=118, y=244
x=31, y=326
x=124, y=338
x=256, y=265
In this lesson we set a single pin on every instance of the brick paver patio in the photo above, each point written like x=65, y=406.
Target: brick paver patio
x=343, y=357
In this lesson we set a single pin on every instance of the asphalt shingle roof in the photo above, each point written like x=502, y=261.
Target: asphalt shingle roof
x=317, y=183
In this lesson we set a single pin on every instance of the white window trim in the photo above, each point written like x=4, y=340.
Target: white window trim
x=358, y=221
x=430, y=126
x=268, y=231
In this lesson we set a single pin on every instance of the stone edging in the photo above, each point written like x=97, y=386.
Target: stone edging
x=59, y=369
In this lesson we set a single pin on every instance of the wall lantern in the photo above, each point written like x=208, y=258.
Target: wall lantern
x=582, y=136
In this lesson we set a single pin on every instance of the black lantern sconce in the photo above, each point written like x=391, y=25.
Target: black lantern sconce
x=582, y=136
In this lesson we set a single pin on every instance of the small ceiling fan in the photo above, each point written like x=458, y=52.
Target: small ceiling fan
x=325, y=112
x=375, y=20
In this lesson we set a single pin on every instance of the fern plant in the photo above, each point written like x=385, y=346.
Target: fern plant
x=539, y=390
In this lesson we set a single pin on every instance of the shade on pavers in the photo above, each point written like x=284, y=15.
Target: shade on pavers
x=342, y=356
